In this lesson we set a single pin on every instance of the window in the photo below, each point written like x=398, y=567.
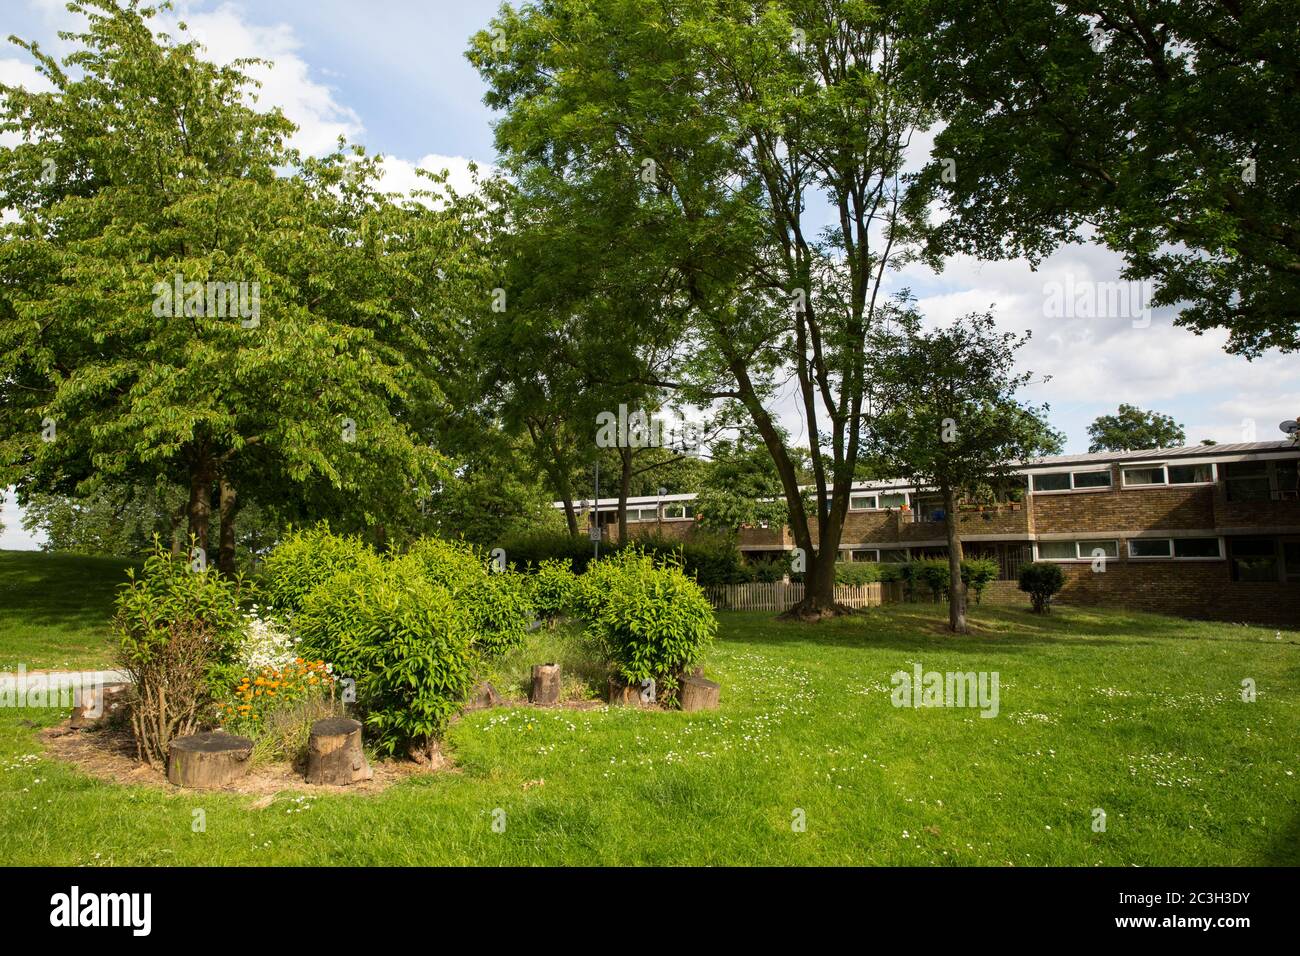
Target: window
x=893, y=500
x=1077, y=550
x=862, y=502
x=1288, y=478
x=1246, y=481
x=678, y=512
x=1072, y=480
x=1059, y=482
x=1108, y=549
x=1144, y=476
x=1150, y=548
x=1196, y=548
x=1091, y=479
x=1254, y=559
x=865, y=554
x=1291, y=560
x=1057, y=551
x=642, y=514
x=1191, y=474
x=894, y=557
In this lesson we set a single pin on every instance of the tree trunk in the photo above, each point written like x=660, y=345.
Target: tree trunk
x=334, y=754
x=624, y=488
x=546, y=685
x=956, y=589
x=229, y=508
x=700, y=694
x=200, y=506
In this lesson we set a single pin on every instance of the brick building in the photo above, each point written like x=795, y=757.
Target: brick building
x=1204, y=531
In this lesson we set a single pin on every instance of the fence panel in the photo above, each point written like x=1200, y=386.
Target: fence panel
x=779, y=596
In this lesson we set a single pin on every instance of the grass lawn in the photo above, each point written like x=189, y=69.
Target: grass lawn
x=55, y=608
x=1138, y=715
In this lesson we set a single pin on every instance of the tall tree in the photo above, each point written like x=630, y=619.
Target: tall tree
x=172, y=307
x=1132, y=429
x=1168, y=127
x=736, y=166
x=948, y=416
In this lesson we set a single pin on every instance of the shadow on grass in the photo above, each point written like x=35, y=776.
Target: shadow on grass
x=67, y=591
x=904, y=626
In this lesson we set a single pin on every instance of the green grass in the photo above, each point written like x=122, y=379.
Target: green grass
x=55, y=608
x=1138, y=715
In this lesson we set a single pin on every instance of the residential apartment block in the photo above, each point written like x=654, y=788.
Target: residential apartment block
x=1207, y=531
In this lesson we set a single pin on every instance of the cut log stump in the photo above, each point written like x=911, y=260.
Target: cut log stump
x=482, y=697
x=546, y=685
x=93, y=704
x=630, y=695
x=334, y=754
x=700, y=694
x=208, y=761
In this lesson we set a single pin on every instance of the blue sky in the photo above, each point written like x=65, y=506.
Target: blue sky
x=392, y=75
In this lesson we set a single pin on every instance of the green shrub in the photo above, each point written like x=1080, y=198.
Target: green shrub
x=650, y=619
x=454, y=565
x=554, y=588
x=1041, y=580
x=709, y=558
x=857, y=572
x=500, y=610
x=934, y=574
x=416, y=661
x=528, y=551
x=976, y=573
x=307, y=558
x=766, y=571
x=332, y=623
x=178, y=633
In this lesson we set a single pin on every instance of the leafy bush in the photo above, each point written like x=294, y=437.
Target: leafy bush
x=307, y=558
x=500, y=610
x=454, y=565
x=416, y=661
x=178, y=633
x=768, y=571
x=332, y=623
x=554, y=588
x=266, y=642
x=934, y=574
x=651, y=620
x=976, y=573
x=528, y=551
x=857, y=572
x=1041, y=580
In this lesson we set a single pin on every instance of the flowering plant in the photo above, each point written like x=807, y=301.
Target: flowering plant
x=272, y=689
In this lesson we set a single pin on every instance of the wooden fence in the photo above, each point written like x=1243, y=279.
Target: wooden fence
x=779, y=596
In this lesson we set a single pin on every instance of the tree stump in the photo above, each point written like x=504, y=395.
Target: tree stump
x=482, y=697
x=630, y=695
x=94, y=704
x=208, y=761
x=700, y=694
x=546, y=684
x=334, y=754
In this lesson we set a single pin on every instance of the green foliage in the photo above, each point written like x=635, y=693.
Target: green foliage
x=454, y=565
x=650, y=619
x=708, y=558
x=115, y=519
x=177, y=634
x=500, y=609
x=741, y=486
x=167, y=591
x=307, y=558
x=416, y=660
x=529, y=550
x=933, y=573
x=976, y=573
x=553, y=588
x=332, y=623
x=1041, y=580
x=1139, y=125
x=1132, y=429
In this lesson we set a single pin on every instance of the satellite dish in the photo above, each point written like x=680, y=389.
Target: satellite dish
x=1290, y=427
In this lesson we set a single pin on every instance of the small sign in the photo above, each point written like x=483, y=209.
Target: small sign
x=594, y=532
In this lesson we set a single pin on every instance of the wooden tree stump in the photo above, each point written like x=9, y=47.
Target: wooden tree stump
x=630, y=695
x=334, y=754
x=546, y=685
x=482, y=697
x=700, y=694
x=94, y=704
x=208, y=761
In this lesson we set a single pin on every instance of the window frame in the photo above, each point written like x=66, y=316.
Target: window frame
x=1166, y=479
x=1173, y=554
x=688, y=511
x=874, y=506
x=1070, y=473
x=1078, y=556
